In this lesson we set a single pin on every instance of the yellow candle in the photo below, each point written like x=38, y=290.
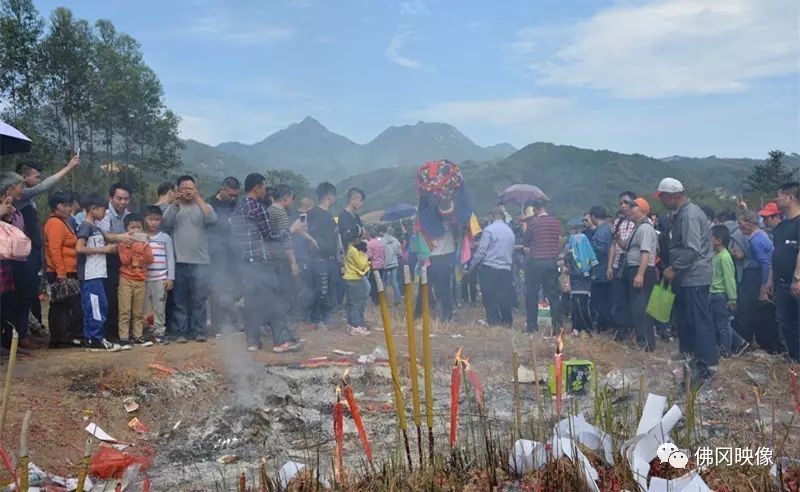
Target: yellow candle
x=426, y=347
x=412, y=343
x=387, y=332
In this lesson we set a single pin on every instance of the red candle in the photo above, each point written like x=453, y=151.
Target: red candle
x=475, y=382
x=362, y=433
x=559, y=366
x=455, y=389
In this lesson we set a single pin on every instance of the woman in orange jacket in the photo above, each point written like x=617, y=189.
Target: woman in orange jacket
x=65, y=316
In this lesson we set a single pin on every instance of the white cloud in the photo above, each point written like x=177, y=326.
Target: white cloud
x=414, y=7
x=393, y=53
x=666, y=47
x=495, y=112
x=241, y=31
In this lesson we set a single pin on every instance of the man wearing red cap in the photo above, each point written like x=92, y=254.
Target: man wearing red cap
x=640, y=272
x=771, y=215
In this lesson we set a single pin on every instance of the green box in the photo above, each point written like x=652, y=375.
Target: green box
x=576, y=377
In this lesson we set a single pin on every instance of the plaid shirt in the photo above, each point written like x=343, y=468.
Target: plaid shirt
x=250, y=229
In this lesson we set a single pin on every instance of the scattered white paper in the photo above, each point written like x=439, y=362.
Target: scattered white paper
x=342, y=352
x=576, y=428
x=651, y=414
x=99, y=433
x=527, y=456
x=288, y=471
x=691, y=482
x=785, y=463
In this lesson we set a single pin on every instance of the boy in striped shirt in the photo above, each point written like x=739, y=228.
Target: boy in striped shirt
x=160, y=273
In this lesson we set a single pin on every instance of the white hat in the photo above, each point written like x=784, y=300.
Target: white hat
x=669, y=185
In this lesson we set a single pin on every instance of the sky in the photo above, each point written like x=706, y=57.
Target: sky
x=658, y=77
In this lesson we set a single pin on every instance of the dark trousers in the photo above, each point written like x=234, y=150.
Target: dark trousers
x=497, y=290
x=112, y=288
x=325, y=279
x=636, y=299
x=542, y=275
x=440, y=275
x=303, y=294
x=747, y=303
x=8, y=316
x=696, y=334
x=264, y=302
x=27, y=284
x=190, y=292
x=787, y=310
x=223, y=294
x=602, y=304
x=581, y=314
x=620, y=312
x=727, y=338
x=469, y=287
x=65, y=319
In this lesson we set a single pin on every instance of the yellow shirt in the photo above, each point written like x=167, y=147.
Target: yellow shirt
x=356, y=264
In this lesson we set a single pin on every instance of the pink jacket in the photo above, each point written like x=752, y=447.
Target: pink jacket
x=376, y=253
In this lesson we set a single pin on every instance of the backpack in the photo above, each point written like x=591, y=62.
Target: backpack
x=14, y=244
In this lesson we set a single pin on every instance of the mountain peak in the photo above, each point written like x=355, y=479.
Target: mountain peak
x=309, y=122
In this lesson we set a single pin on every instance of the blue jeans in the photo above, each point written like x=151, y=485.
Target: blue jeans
x=357, y=293
x=391, y=276
x=190, y=292
x=95, y=308
x=696, y=334
x=787, y=310
x=727, y=338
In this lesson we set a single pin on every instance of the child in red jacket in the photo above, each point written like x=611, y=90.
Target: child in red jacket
x=134, y=260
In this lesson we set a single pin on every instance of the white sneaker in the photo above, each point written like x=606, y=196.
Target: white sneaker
x=358, y=331
x=111, y=347
x=252, y=348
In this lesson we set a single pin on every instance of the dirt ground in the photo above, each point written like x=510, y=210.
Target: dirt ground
x=65, y=387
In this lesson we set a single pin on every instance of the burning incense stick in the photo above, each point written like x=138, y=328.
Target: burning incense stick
x=399, y=402
x=412, y=355
x=338, y=434
x=23, y=455
x=559, y=362
x=517, y=412
x=455, y=390
x=795, y=392
x=426, y=356
x=351, y=402
x=12, y=360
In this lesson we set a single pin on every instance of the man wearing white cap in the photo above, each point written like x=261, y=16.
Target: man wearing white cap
x=690, y=274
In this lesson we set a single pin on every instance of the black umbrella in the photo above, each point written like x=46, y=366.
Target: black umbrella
x=12, y=141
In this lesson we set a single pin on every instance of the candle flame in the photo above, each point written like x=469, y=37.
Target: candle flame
x=338, y=391
x=344, y=376
x=458, y=358
x=559, y=344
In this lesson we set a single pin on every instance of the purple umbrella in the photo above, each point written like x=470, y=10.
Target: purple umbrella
x=522, y=194
x=12, y=141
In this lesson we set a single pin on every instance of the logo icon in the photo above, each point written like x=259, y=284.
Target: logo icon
x=669, y=453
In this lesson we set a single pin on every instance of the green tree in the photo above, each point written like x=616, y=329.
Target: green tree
x=285, y=176
x=21, y=28
x=767, y=177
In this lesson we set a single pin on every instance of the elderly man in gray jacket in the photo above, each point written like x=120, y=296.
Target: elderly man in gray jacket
x=690, y=274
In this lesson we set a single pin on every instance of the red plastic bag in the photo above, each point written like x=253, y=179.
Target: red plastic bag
x=107, y=462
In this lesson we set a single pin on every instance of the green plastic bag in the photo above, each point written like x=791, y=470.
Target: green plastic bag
x=659, y=307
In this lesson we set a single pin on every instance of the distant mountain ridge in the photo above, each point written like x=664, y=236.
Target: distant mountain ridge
x=575, y=179
x=310, y=149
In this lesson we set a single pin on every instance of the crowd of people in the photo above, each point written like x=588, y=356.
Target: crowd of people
x=186, y=268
